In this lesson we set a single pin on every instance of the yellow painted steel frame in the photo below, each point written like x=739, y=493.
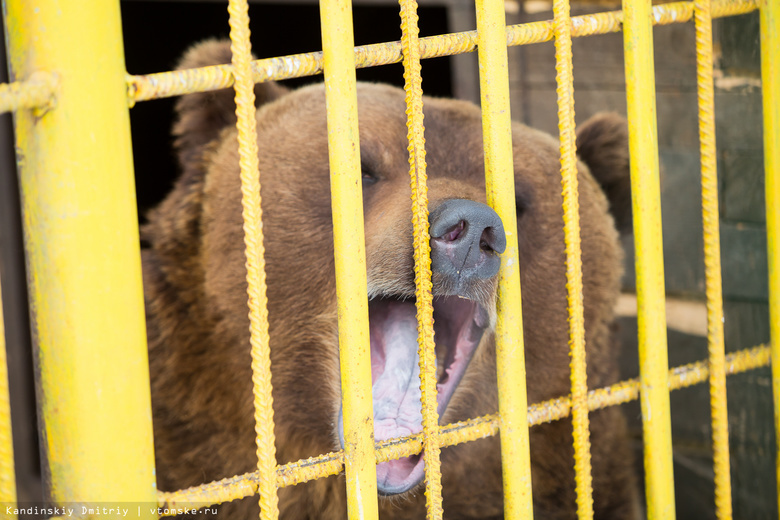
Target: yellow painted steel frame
x=350, y=257
x=770, y=90
x=646, y=200
x=500, y=186
x=81, y=238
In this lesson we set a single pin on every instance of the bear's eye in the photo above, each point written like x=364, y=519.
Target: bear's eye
x=368, y=177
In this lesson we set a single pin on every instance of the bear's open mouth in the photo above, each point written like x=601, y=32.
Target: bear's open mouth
x=459, y=324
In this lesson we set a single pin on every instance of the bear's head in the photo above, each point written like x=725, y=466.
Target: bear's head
x=195, y=281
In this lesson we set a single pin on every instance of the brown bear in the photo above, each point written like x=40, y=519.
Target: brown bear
x=198, y=329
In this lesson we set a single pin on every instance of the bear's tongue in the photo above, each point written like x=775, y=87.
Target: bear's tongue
x=395, y=371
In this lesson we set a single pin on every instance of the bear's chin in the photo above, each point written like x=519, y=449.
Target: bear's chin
x=459, y=325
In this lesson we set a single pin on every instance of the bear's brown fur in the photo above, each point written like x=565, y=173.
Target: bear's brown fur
x=195, y=287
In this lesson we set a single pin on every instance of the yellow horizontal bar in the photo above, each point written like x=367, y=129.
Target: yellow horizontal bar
x=241, y=486
x=168, y=84
x=37, y=92
x=81, y=240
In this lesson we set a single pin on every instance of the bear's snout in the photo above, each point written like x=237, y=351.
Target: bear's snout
x=467, y=238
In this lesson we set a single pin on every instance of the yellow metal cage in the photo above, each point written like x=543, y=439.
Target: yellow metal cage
x=70, y=98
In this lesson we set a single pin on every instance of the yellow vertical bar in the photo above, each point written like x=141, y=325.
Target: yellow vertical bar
x=500, y=183
x=81, y=238
x=579, y=379
x=255, y=260
x=350, y=255
x=410, y=45
x=770, y=90
x=710, y=217
x=646, y=199
x=7, y=475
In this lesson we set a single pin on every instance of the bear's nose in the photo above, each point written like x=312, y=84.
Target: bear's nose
x=466, y=239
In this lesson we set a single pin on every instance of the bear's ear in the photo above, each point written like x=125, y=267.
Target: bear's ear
x=202, y=116
x=602, y=144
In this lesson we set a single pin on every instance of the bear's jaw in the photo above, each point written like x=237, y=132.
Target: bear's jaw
x=459, y=325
